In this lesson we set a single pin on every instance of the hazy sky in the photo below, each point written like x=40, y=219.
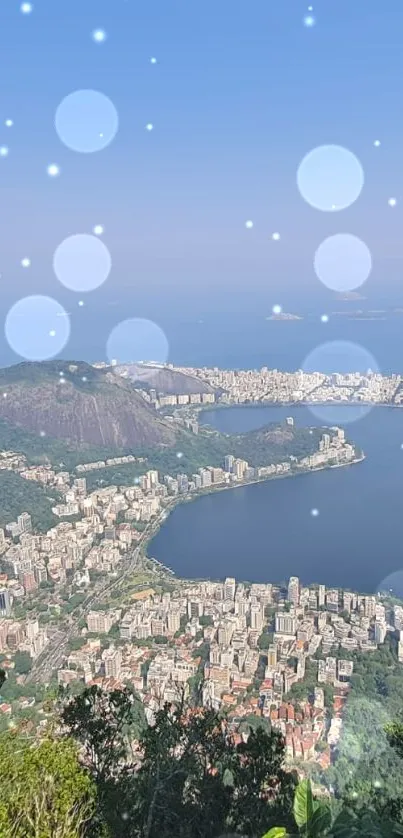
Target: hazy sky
x=240, y=92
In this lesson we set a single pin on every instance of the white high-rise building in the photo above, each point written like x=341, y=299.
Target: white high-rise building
x=293, y=590
x=229, y=463
x=379, y=631
x=174, y=620
x=256, y=618
x=229, y=588
x=321, y=595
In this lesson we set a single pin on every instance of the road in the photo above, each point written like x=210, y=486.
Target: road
x=52, y=656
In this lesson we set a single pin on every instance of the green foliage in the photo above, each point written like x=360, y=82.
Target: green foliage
x=262, y=447
x=202, y=651
x=368, y=767
x=160, y=639
x=265, y=641
x=205, y=620
x=44, y=793
x=73, y=602
x=303, y=804
x=48, y=450
x=23, y=662
x=193, y=781
x=76, y=643
x=18, y=495
x=313, y=819
x=394, y=733
x=104, y=724
x=302, y=690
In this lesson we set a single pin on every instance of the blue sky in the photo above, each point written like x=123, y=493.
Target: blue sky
x=239, y=94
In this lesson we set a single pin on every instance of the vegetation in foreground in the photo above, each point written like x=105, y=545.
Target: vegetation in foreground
x=101, y=771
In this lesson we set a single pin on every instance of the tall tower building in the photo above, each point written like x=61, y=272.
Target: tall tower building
x=112, y=663
x=24, y=522
x=293, y=590
x=174, y=620
x=229, y=588
x=256, y=618
x=229, y=463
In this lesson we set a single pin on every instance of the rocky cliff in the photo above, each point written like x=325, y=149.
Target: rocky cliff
x=164, y=380
x=80, y=404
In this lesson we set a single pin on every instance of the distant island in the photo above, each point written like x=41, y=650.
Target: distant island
x=284, y=316
x=369, y=314
x=350, y=295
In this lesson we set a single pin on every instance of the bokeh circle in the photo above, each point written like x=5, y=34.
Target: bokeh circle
x=137, y=340
x=344, y=367
x=343, y=262
x=86, y=121
x=330, y=178
x=37, y=328
x=82, y=262
x=392, y=584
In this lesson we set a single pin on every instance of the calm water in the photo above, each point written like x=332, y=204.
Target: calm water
x=266, y=532
x=238, y=339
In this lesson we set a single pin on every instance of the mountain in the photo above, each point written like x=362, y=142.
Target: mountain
x=164, y=380
x=75, y=402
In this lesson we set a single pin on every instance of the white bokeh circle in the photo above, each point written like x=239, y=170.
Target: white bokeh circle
x=99, y=36
x=37, y=328
x=353, y=745
x=343, y=262
x=82, y=262
x=136, y=340
x=349, y=394
x=86, y=121
x=330, y=178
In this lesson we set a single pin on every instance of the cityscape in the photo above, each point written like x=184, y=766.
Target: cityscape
x=201, y=440
x=277, y=387
x=83, y=603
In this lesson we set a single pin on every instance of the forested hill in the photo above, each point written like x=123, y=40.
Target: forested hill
x=18, y=495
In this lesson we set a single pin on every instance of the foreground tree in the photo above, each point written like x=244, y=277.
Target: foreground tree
x=188, y=777
x=106, y=724
x=44, y=792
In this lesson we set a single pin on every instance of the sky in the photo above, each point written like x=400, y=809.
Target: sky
x=239, y=93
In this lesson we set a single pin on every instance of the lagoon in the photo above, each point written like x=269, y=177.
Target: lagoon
x=267, y=532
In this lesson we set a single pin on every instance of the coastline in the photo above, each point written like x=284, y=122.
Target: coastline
x=220, y=405
x=196, y=412
x=212, y=490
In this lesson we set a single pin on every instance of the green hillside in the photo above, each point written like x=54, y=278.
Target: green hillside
x=18, y=495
